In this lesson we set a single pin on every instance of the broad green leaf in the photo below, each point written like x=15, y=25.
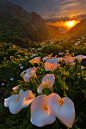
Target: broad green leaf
x=55, y=125
x=25, y=124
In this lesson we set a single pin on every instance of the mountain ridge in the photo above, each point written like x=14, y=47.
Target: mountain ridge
x=17, y=25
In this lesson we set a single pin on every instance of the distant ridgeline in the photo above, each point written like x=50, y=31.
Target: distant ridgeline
x=20, y=27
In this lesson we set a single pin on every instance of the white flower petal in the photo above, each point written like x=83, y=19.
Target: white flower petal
x=49, y=79
x=61, y=53
x=35, y=60
x=80, y=57
x=69, y=59
x=65, y=112
x=27, y=74
x=21, y=67
x=21, y=92
x=2, y=84
x=20, y=64
x=6, y=101
x=11, y=79
x=34, y=55
x=39, y=115
x=26, y=77
x=50, y=65
x=14, y=106
x=26, y=98
x=45, y=58
x=16, y=87
x=41, y=87
x=47, y=82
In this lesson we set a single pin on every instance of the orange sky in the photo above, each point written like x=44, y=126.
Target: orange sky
x=62, y=25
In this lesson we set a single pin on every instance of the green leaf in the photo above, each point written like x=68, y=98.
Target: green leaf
x=29, y=126
x=19, y=116
x=84, y=92
x=55, y=125
x=25, y=124
x=15, y=127
x=74, y=126
x=84, y=78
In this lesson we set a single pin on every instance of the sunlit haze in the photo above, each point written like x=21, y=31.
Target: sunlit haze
x=64, y=26
x=61, y=13
x=70, y=23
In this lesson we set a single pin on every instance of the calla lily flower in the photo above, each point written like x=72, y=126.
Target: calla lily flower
x=21, y=67
x=27, y=74
x=59, y=59
x=16, y=87
x=62, y=108
x=38, y=49
x=47, y=82
x=11, y=79
x=13, y=102
x=69, y=59
x=2, y=84
x=26, y=98
x=51, y=65
x=61, y=53
x=47, y=57
x=35, y=60
x=14, y=106
x=77, y=43
x=21, y=92
x=6, y=101
x=80, y=58
x=82, y=67
x=40, y=115
x=34, y=55
x=20, y=64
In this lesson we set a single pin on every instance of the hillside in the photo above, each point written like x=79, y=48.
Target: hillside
x=79, y=29
x=53, y=31
x=18, y=26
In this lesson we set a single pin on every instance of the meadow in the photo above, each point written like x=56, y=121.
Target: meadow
x=70, y=79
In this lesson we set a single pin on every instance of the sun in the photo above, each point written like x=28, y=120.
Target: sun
x=70, y=23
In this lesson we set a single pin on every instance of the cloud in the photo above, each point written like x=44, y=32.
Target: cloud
x=53, y=8
x=78, y=17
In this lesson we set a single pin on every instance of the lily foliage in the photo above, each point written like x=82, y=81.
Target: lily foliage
x=37, y=99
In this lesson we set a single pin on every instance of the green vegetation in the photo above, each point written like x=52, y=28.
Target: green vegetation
x=19, y=30
x=70, y=81
x=20, y=27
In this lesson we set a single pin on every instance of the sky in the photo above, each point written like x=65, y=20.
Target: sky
x=55, y=10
